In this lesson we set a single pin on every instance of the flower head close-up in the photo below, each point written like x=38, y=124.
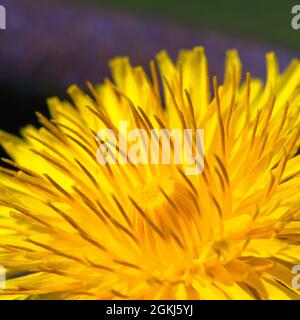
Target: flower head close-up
x=75, y=227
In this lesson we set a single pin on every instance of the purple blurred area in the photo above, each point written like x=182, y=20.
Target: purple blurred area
x=54, y=45
x=48, y=46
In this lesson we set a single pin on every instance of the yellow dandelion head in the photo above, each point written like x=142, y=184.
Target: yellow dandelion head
x=72, y=228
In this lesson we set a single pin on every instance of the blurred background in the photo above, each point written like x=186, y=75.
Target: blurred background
x=49, y=45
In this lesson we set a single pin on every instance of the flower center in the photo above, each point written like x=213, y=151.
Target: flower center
x=155, y=194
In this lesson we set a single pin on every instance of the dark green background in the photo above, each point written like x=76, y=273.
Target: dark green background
x=262, y=20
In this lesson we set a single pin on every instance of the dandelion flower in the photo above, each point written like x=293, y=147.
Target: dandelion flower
x=71, y=228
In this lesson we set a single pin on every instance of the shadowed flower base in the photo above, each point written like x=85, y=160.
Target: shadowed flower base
x=74, y=229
